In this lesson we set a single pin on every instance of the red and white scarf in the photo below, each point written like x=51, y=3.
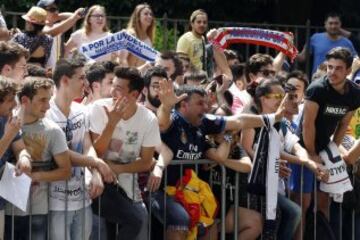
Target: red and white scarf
x=281, y=41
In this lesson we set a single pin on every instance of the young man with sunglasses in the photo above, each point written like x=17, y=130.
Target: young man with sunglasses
x=45, y=142
x=72, y=199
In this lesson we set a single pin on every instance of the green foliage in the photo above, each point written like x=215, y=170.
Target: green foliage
x=160, y=36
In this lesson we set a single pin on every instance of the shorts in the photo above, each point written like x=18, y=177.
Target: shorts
x=295, y=179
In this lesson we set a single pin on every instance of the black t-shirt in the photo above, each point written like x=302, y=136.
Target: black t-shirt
x=333, y=106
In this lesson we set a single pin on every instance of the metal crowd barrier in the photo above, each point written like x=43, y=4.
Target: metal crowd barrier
x=183, y=164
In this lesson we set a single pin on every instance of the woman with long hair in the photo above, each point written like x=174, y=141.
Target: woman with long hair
x=141, y=25
x=94, y=27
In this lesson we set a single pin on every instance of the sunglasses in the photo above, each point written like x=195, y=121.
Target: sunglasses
x=52, y=9
x=68, y=131
x=277, y=96
x=267, y=72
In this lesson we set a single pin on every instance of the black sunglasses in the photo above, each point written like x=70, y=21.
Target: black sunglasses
x=68, y=131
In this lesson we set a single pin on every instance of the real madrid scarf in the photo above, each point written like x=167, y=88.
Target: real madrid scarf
x=118, y=41
x=281, y=41
x=263, y=179
x=339, y=181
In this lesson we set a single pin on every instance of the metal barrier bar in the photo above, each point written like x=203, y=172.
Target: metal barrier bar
x=222, y=216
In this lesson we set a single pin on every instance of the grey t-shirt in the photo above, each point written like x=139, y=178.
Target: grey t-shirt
x=43, y=140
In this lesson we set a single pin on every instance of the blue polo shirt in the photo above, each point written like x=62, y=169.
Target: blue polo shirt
x=187, y=142
x=8, y=155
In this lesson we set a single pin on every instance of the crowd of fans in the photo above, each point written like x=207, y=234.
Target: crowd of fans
x=97, y=137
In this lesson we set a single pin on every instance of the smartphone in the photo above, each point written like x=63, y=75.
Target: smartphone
x=84, y=12
x=290, y=89
x=219, y=79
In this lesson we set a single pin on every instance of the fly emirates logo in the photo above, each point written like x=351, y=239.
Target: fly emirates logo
x=192, y=154
x=335, y=110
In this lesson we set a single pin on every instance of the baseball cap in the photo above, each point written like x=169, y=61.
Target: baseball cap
x=45, y=3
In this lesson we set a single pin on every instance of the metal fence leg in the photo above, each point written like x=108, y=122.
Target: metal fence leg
x=165, y=198
x=223, y=200
x=236, y=207
x=315, y=207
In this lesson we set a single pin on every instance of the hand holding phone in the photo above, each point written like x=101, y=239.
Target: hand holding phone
x=84, y=12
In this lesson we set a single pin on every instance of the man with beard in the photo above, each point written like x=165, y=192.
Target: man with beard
x=321, y=43
x=184, y=125
x=151, y=88
x=194, y=45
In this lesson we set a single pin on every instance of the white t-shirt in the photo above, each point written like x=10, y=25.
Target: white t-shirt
x=241, y=99
x=141, y=130
x=75, y=126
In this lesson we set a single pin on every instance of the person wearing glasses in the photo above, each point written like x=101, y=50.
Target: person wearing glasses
x=13, y=61
x=94, y=27
x=267, y=98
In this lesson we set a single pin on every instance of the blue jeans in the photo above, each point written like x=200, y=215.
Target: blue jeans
x=290, y=217
x=176, y=216
x=39, y=224
x=346, y=222
x=98, y=228
x=78, y=224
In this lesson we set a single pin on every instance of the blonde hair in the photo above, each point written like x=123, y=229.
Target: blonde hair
x=87, y=25
x=135, y=24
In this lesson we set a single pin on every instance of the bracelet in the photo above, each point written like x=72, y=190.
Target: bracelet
x=228, y=138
